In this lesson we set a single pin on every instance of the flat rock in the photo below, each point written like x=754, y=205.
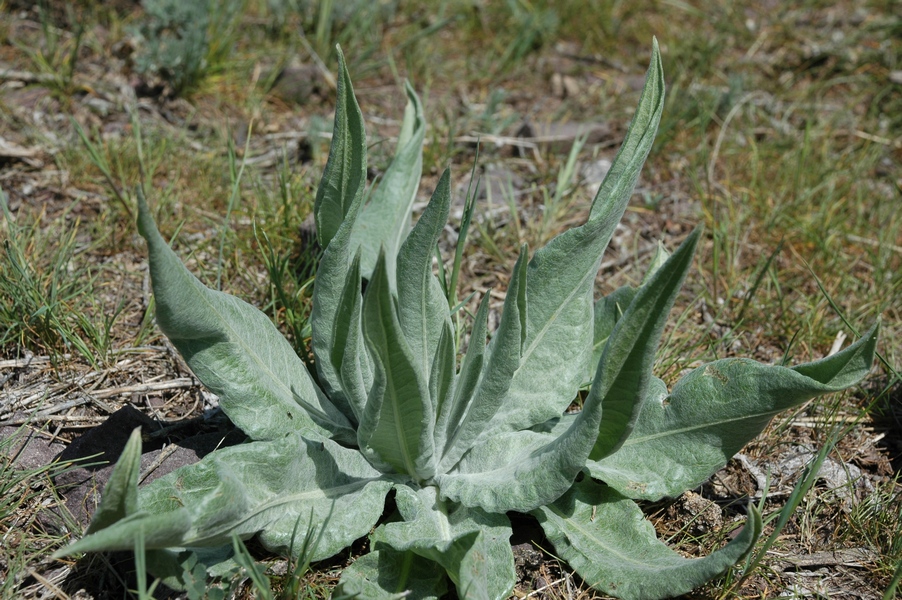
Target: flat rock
x=29, y=449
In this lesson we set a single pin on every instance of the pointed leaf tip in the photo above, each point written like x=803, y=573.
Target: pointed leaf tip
x=120, y=495
x=344, y=178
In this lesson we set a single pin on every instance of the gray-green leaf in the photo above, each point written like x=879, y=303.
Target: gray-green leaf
x=681, y=438
x=276, y=488
x=344, y=178
x=606, y=538
x=349, y=355
x=625, y=367
x=422, y=306
x=237, y=352
x=386, y=574
x=472, y=545
x=120, y=495
x=495, y=378
x=339, y=201
x=385, y=220
x=523, y=470
x=558, y=344
x=398, y=422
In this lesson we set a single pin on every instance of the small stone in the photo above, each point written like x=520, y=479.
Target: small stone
x=299, y=83
x=527, y=560
x=702, y=514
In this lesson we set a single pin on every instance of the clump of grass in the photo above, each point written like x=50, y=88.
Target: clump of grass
x=56, y=56
x=877, y=521
x=25, y=495
x=43, y=291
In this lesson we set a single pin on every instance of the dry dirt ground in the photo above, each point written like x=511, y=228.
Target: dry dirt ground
x=56, y=404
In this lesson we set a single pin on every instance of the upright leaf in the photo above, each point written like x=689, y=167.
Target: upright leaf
x=451, y=412
x=349, y=355
x=609, y=309
x=422, y=307
x=606, y=538
x=397, y=424
x=624, y=172
x=344, y=177
x=386, y=217
x=120, y=495
x=329, y=316
x=495, y=378
x=561, y=279
x=236, y=352
x=442, y=381
x=681, y=438
x=624, y=370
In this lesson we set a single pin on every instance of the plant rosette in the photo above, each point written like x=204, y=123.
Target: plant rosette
x=389, y=409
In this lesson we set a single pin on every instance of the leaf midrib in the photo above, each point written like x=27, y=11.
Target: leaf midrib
x=319, y=493
x=552, y=318
x=391, y=391
x=652, y=436
x=569, y=523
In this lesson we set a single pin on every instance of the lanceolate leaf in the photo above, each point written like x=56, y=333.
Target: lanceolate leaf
x=236, y=351
x=681, y=438
x=398, y=421
x=495, y=379
x=344, y=177
x=451, y=412
x=441, y=381
x=473, y=546
x=606, y=538
x=422, y=307
x=161, y=530
x=386, y=218
x=268, y=487
x=625, y=367
x=561, y=279
x=349, y=354
x=609, y=309
x=624, y=172
x=328, y=315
